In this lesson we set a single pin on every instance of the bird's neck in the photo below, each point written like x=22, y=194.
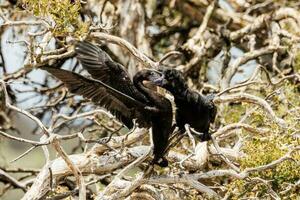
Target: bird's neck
x=180, y=92
x=190, y=96
x=150, y=94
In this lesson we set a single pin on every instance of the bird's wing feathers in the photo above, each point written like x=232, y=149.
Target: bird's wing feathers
x=116, y=102
x=94, y=60
x=101, y=67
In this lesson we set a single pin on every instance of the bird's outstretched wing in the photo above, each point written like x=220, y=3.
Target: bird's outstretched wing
x=118, y=103
x=101, y=67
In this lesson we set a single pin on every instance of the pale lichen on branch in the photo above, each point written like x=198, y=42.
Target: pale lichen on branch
x=255, y=137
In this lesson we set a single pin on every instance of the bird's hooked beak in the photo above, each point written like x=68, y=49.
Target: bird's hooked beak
x=156, y=77
x=159, y=81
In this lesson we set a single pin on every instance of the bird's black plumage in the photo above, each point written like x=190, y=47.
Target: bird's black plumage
x=111, y=87
x=161, y=116
x=192, y=108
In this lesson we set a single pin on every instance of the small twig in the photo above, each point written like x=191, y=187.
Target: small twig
x=237, y=86
x=226, y=129
x=122, y=173
x=35, y=143
x=24, y=23
x=5, y=177
x=187, y=128
x=135, y=184
x=119, y=41
x=216, y=145
x=232, y=69
x=169, y=54
x=23, y=154
x=244, y=97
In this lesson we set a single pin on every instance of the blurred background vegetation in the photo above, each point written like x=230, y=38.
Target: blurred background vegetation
x=156, y=27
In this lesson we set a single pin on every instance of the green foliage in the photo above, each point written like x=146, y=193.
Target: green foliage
x=60, y=190
x=263, y=149
x=261, y=152
x=296, y=64
x=234, y=113
x=64, y=14
x=287, y=105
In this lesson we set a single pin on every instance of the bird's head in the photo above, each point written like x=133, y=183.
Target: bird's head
x=152, y=75
x=171, y=80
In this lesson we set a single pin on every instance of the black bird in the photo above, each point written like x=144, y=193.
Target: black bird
x=13, y=2
x=111, y=87
x=192, y=108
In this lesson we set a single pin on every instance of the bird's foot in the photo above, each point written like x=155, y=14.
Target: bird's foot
x=162, y=162
x=205, y=137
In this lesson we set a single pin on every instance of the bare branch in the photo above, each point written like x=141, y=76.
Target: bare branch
x=243, y=97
